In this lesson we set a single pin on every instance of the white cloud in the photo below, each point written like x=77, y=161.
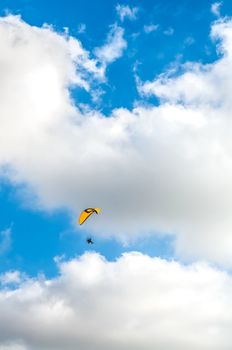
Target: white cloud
x=149, y=28
x=136, y=302
x=5, y=241
x=215, y=8
x=125, y=11
x=163, y=169
x=113, y=47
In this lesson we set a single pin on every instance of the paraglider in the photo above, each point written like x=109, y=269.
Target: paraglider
x=89, y=240
x=85, y=214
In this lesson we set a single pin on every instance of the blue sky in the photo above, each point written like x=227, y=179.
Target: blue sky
x=153, y=52
x=124, y=106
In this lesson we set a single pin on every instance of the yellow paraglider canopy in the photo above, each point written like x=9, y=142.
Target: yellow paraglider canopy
x=86, y=213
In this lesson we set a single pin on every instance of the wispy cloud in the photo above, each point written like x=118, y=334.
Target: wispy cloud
x=5, y=241
x=81, y=28
x=189, y=41
x=149, y=28
x=113, y=47
x=215, y=8
x=125, y=11
x=169, y=31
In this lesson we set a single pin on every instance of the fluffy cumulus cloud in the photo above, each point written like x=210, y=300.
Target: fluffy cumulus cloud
x=136, y=302
x=163, y=168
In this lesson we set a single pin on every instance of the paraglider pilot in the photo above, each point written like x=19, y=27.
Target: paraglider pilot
x=89, y=240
